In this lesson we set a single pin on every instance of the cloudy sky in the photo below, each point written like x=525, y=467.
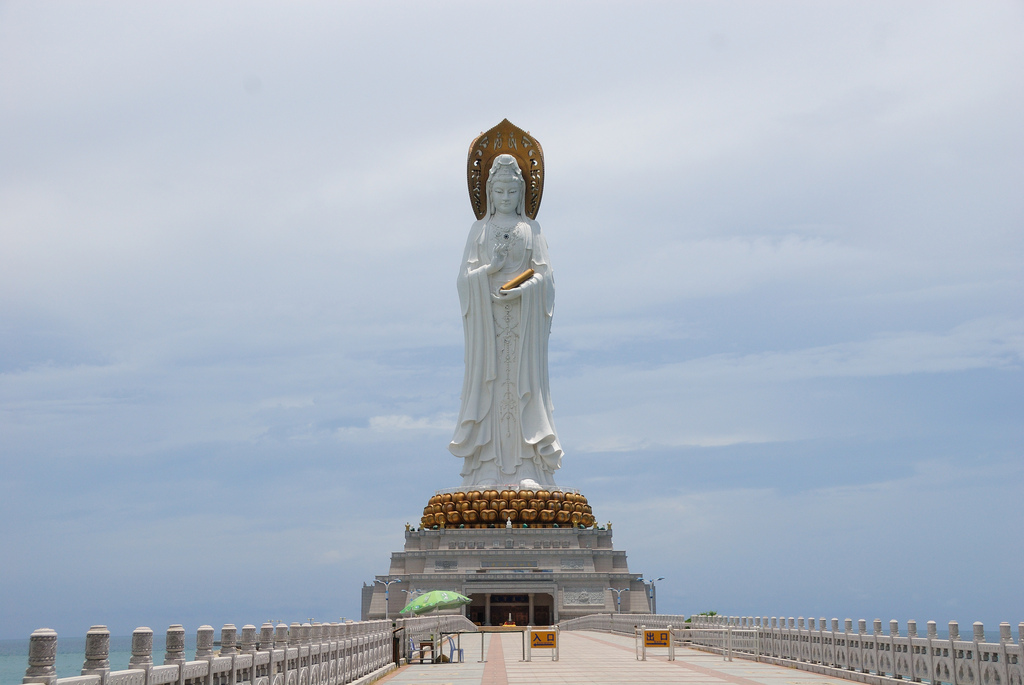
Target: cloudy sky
x=786, y=357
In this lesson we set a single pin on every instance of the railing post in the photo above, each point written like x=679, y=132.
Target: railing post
x=228, y=637
x=265, y=644
x=42, y=655
x=97, y=653
x=204, y=642
x=280, y=636
x=671, y=644
x=174, y=645
x=266, y=637
x=954, y=635
x=835, y=648
x=229, y=647
x=248, y=645
x=142, y=651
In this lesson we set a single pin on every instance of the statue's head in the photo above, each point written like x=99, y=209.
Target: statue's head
x=505, y=184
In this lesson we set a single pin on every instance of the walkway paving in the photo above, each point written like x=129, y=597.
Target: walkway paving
x=598, y=658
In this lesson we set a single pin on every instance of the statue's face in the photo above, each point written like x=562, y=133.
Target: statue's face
x=505, y=195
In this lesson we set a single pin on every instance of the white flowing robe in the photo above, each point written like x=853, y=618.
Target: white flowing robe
x=505, y=431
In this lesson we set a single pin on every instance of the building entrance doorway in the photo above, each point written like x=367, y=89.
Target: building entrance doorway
x=514, y=608
x=497, y=608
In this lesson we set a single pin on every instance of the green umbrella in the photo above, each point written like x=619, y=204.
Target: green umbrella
x=435, y=599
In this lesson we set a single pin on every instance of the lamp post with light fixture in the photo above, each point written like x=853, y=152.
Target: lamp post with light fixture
x=618, y=598
x=387, y=594
x=654, y=595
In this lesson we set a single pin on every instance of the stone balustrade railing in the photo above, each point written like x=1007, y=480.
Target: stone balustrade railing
x=299, y=654
x=822, y=646
x=622, y=623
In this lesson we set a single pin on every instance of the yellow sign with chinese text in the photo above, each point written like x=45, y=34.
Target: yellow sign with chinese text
x=543, y=639
x=656, y=638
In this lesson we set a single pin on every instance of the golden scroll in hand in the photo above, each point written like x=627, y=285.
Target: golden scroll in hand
x=518, y=280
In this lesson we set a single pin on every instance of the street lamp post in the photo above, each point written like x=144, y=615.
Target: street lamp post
x=654, y=595
x=387, y=592
x=410, y=594
x=618, y=598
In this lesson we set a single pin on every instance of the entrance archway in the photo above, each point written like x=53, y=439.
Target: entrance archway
x=521, y=608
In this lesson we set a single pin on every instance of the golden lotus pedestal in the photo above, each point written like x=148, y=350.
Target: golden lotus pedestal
x=523, y=508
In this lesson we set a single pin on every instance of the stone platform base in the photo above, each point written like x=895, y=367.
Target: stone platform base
x=538, y=575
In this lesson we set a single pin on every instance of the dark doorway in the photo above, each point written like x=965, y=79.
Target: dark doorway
x=500, y=613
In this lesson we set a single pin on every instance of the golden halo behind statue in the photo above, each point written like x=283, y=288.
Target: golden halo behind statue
x=505, y=139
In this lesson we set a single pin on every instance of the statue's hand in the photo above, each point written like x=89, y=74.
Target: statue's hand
x=505, y=295
x=498, y=254
x=497, y=262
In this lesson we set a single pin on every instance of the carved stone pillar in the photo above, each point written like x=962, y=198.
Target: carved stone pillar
x=267, y=636
x=281, y=636
x=248, y=645
x=174, y=650
x=42, y=657
x=97, y=653
x=228, y=636
x=204, y=642
x=979, y=631
x=142, y=650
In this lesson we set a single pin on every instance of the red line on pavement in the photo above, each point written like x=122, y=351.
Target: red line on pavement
x=494, y=669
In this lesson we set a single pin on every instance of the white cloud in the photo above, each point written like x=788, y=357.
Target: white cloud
x=398, y=427
x=286, y=403
x=444, y=422
x=987, y=343
x=620, y=443
x=769, y=397
x=995, y=343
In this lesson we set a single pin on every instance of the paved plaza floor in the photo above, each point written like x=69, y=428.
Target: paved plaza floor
x=592, y=657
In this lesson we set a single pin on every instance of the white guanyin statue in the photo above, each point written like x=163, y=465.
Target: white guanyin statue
x=505, y=432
